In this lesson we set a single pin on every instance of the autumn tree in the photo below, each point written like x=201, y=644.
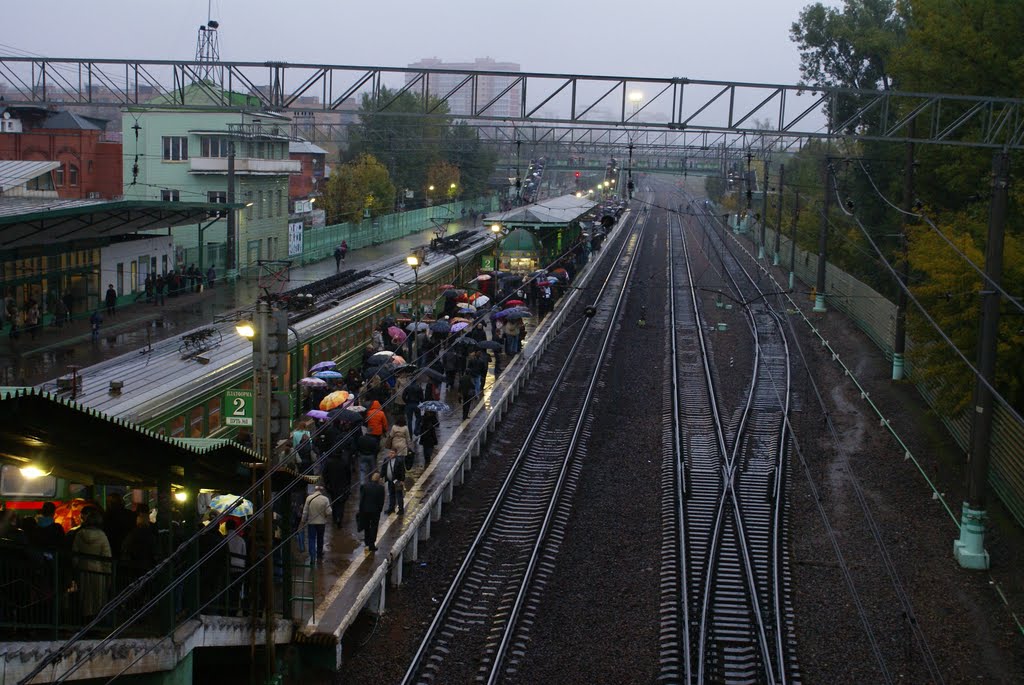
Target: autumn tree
x=357, y=186
x=443, y=181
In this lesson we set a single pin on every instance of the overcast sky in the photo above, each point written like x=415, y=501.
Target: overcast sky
x=745, y=40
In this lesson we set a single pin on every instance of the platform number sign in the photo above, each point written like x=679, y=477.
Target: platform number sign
x=238, y=407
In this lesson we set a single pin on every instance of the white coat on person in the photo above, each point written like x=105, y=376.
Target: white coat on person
x=317, y=508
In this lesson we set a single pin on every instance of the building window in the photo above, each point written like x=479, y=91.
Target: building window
x=175, y=148
x=177, y=426
x=88, y=167
x=214, y=146
x=248, y=205
x=213, y=414
x=58, y=176
x=170, y=195
x=196, y=422
x=218, y=196
x=280, y=204
x=259, y=204
x=72, y=175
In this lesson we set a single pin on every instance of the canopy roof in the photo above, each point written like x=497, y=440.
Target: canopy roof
x=86, y=446
x=25, y=222
x=15, y=172
x=559, y=210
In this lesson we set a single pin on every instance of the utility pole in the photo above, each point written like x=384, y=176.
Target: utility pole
x=262, y=407
x=792, y=243
x=629, y=170
x=819, y=286
x=899, y=343
x=778, y=223
x=750, y=185
x=230, y=246
x=969, y=549
x=764, y=211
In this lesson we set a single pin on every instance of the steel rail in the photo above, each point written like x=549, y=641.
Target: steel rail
x=500, y=501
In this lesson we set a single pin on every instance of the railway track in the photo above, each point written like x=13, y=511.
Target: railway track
x=736, y=619
x=480, y=627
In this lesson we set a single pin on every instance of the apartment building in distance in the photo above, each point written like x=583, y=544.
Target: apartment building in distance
x=490, y=87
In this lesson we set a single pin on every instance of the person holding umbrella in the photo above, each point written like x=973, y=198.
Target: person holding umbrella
x=428, y=435
x=338, y=479
x=466, y=390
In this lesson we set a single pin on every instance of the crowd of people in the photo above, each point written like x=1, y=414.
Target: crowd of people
x=379, y=453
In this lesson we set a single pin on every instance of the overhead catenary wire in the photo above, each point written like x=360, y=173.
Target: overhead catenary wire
x=116, y=602
x=928, y=317
x=1015, y=301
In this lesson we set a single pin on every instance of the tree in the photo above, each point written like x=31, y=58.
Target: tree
x=356, y=186
x=848, y=48
x=443, y=178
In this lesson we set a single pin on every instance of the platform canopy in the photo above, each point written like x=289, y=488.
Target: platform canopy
x=28, y=221
x=559, y=210
x=86, y=446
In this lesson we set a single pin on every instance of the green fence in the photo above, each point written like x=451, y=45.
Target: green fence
x=319, y=243
x=876, y=316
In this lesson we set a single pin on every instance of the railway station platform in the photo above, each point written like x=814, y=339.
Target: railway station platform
x=352, y=580
x=32, y=360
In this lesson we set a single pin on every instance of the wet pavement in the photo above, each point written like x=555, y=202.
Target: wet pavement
x=32, y=360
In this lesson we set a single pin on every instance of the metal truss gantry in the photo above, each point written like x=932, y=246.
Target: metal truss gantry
x=572, y=104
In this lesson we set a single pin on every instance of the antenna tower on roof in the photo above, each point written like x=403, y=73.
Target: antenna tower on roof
x=208, y=50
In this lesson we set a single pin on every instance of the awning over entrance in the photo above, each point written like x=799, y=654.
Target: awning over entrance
x=88, y=447
x=25, y=222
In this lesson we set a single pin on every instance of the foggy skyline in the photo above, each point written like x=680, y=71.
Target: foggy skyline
x=742, y=40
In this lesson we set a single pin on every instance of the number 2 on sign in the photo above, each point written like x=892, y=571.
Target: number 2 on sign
x=239, y=409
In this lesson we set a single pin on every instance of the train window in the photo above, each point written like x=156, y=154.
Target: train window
x=195, y=421
x=177, y=426
x=213, y=414
x=287, y=380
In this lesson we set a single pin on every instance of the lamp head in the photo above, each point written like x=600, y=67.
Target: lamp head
x=245, y=329
x=33, y=471
x=413, y=261
x=495, y=229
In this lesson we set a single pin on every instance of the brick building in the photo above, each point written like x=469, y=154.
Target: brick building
x=90, y=163
x=308, y=183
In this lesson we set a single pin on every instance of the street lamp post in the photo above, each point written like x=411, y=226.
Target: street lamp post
x=414, y=263
x=496, y=232
x=258, y=332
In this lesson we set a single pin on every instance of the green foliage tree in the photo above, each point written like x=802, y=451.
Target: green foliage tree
x=356, y=186
x=392, y=129
x=443, y=177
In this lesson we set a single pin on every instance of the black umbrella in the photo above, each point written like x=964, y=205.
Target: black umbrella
x=406, y=368
x=384, y=371
x=467, y=341
x=453, y=292
x=490, y=345
x=346, y=415
x=441, y=326
x=432, y=375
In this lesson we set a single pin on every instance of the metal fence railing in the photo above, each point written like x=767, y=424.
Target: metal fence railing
x=319, y=243
x=876, y=316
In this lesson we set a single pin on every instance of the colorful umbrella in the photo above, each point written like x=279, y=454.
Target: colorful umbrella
x=231, y=504
x=514, y=303
x=482, y=277
x=322, y=366
x=446, y=286
x=312, y=383
x=397, y=333
x=561, y=271
x=398, y=360
x=417, y=326
x=458, y=319
x=334, y=400
x=465, y=307
x=434, y=405
x=317, y=414
x=481, y=301
x=328, y=375
x=461, y=326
